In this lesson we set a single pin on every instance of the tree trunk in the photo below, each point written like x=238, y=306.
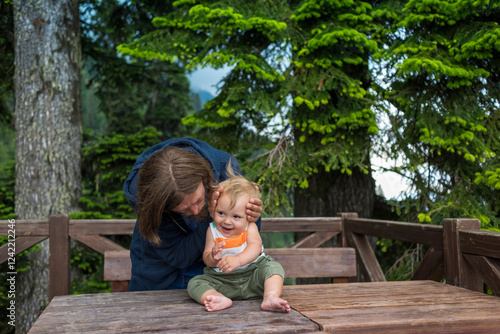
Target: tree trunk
x=48, y=130
x=330, y=193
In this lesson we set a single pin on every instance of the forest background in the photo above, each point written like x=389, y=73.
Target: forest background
x=314, y=91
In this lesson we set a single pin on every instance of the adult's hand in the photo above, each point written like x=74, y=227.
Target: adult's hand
x=212, y=203
x=254, y=209
x=254, y=206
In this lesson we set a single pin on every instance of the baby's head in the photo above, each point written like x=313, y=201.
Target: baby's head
x=236, y=186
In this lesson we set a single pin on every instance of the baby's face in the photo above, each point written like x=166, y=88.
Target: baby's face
x=231, y=222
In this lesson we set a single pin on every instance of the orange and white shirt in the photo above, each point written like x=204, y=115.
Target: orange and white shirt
x=234, y=245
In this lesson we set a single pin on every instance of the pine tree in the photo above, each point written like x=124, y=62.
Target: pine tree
x=296, y=96
x=133, y=93
x=443, y=65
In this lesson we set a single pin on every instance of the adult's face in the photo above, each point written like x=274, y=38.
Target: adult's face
x=193, y=203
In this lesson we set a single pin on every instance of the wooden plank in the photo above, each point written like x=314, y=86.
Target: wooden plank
x=489, y=270
x=366, y=258
x=480, y=243
x=382, y=307
x=162, y=311
x=97, y=243
x=117, y=265
x=411, y=232
x=378, y=294
x=315, y=262
x=326, y=224
x=26, y=227
x=119, y=286
x=395, y=307
x=419, y=321
x=59, y=259
x=432, y=266
x=126, y=226
x=458, y=271
x=314, y=240
x=19, y=245
x=101, y=226
x=298, y=262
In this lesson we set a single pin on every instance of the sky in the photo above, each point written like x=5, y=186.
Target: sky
x=391, y=184
x=206, y=79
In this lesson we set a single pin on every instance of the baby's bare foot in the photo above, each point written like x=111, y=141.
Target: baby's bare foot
x=217, y=303
x=275, y=304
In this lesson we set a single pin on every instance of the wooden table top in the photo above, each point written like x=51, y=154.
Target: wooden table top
x=382, y=307
x=396, y=307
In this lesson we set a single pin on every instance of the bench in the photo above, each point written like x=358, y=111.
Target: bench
x=337, y=263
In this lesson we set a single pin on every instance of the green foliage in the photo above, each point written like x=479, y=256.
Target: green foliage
x=7, y=181
x=405, y=266
x=7, y=133
x=22, y=264
x=106, y=162
x=131, y=93
x=90, y=266
x=7, y=185
x=443, y=112
x=279, y=240
x=297, y=90
x=6, y=63
x=93, y=118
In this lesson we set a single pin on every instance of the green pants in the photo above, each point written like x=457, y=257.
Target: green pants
x=247, y=283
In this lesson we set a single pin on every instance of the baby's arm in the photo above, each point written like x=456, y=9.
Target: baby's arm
x=212, y=252
x=251, y=252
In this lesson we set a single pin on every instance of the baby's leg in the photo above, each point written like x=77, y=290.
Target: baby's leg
x=215, y=301
x=272, y=292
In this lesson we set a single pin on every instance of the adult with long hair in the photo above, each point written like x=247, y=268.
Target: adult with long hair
x=170, y=187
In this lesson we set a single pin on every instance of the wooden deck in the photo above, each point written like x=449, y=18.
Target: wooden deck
x=375, y=307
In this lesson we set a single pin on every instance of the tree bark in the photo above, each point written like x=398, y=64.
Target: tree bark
x=332, y=192
x=48, y=130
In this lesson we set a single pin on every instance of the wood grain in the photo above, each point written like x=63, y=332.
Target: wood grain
x=377, y=307
x=161, y=311
x=396, y=307
x=297, y=262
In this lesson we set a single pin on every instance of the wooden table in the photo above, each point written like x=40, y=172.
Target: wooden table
x=396, y=307
x=384, y=307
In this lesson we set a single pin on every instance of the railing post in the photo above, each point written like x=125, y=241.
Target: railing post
x=345, y=215
x=458, y=271
x=366, y=260
x=59, y=258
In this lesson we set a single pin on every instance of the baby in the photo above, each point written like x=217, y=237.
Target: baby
x=237, y=267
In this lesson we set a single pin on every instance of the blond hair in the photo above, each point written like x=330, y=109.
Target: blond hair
x=236, y=186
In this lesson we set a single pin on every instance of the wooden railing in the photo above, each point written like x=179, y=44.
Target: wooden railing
x=458, y=251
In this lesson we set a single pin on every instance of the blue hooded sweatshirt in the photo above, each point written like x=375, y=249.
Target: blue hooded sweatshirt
x=182, y=239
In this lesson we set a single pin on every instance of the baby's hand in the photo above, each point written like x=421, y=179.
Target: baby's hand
x=229, y=263
x=217, y=250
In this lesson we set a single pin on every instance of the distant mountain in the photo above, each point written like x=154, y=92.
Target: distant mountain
x=204, y=96
x=199, y=97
